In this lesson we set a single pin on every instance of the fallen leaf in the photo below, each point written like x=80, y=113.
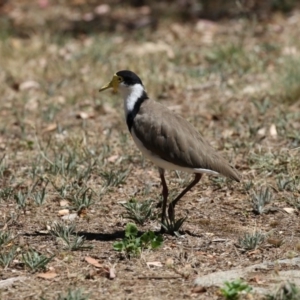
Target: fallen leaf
x=199, y=289
x=63, y=212
x=82, y=213
x=254, y=252
x=93, y=261
x=154, y=264
x=262, y=131
x=30, y=84
x=70, y=217
x=257, y=280
x=273, y=131
x=275, y=242
x=289, y=210
x=113, y=158
x=82, y=115
x=112, y=273
x=169, y=262
x=47, y=275
x=102, y=9
x=64, y=203
x=50, y=127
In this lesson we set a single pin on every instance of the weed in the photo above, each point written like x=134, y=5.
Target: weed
x=286, y=291
x=73, y=295
x=234, y=289
x=173, y=226
x=82, y=198
x=63, y=165
x=295, y=202
x=248, y=185
x=3, y=166
x=114, y=178
x=262, y=105
x=7, y=257
x=6, y=192
x=260, y=199
x=21, y=199
x=251, y=241
x=132, y=245
x=138, y=212
x=285, y=183
x=67, y=234
x=5, y=238
x=40, y=197
x=35, y=261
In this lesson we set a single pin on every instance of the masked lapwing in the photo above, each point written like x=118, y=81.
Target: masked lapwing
x=167, y=139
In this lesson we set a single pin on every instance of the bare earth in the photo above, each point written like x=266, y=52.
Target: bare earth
x=233, y=80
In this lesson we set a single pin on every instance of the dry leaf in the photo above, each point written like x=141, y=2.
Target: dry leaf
x=70, y=217
x=63, y=212
x=50, y=127
x=64, y=203
x=102, y=9
x=82, y=115
x=169, y=262
x=82, y=213
x=47, y=275
x=154, y=264
x=93, y=261
x=257, y=280
x=113, y=158
x=289, y=210
x=112, y=273
x=30, y=84
x=199, y=289
x=273, y=131
x=262, y=131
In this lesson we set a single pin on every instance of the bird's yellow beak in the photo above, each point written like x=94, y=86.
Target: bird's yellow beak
x=114, y=83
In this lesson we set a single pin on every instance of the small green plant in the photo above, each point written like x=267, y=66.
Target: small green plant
x=6, y=192
x=35, y=261
x=40, y=197
x=21, y=199
x=173, y=226
x=139, y=212
x=248, y=185
x=285, y=184
x=286, y=291
x=82, y=199
x=7, y=257
x=251, y=241
x=67, y=234
x=76, y=294
x=233, y=289
x=260, y=199
x=114, y=178
x=132, y=245
x=294, y=202
x=5, y=238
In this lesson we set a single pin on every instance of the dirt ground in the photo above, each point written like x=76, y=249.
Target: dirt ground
x=236, y=81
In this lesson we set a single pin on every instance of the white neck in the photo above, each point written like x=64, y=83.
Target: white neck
x=130, y=95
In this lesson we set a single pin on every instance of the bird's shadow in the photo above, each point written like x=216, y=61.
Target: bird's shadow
x=96, y=236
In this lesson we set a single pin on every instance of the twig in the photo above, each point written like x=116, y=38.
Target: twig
x=159, y=277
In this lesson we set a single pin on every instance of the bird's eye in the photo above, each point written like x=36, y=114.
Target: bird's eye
x=119, y=79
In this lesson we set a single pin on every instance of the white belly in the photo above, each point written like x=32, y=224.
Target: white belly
x=165, y=164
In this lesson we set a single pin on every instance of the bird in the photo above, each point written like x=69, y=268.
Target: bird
x=166, y=138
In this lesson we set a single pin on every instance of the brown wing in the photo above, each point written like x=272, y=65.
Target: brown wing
x=175, y=140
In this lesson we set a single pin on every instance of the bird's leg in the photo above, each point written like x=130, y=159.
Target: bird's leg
x=165, y=194
x=171, y=209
